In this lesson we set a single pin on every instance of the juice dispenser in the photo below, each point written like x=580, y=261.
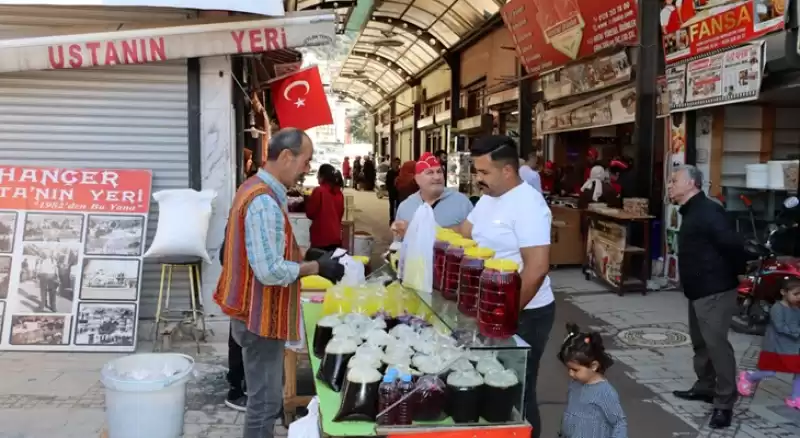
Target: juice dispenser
x=452, y=267
x=469, y=286
x=498, y=308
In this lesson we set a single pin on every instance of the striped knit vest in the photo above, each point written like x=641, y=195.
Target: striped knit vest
x=269, y=311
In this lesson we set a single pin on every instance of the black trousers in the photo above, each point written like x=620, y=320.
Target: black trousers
x=235, y=369
x=393, y=204
x=534, y=328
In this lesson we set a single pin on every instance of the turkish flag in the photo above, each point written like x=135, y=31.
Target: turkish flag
x=300, y=100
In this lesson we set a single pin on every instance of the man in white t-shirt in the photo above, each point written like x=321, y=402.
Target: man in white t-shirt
x=513, y=219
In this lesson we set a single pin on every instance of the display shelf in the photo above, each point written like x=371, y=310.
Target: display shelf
x=329, y=401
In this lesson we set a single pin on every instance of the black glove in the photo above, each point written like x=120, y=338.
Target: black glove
x=313, y=254
x=330, y=268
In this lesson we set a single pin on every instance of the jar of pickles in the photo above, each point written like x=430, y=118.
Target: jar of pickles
x=452, y=267
x=498, y=305
x=469, y=286
x=440, y=246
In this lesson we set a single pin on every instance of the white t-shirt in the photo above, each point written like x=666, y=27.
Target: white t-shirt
x=520, y=218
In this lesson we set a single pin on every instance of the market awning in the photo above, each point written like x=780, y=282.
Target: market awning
x=403, y=37
x=138, y=45
x=361, y=91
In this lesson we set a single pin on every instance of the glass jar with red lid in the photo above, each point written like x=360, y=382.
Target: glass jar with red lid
x=469, y=286
x=498, y=303
x=452, y=266
x=440, y=246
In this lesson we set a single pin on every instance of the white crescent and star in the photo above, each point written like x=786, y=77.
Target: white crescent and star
x=300, y=102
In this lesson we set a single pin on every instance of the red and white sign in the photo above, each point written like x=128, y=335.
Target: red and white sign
x=695, y=27
x=86, y=190
x=551, y=33
x=273, y=8
x=300, y=100
x=166, y=43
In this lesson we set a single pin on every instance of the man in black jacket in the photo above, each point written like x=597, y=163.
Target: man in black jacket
x=710, y=257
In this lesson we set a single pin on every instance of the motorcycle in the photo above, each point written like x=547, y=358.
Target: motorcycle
x=761, y=286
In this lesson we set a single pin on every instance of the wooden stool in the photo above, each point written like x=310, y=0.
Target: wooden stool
x=195, y=313
x=292, y=401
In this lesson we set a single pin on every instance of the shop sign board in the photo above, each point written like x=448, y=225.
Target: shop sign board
x=612, y=108
x=675, y=157
x=548, y=34
x=694, y=27
x=587, y=76
x=71, y=244
x=273, y=8
x=605, y=249
x=728, y=77
x=141, y=46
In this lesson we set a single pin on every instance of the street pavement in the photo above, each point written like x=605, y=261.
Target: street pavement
x=45, y=395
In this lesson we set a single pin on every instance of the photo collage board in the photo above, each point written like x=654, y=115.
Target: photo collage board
x=71, y=245
x=675, y=157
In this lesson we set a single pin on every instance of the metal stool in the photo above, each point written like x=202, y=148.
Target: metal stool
x=188, y=316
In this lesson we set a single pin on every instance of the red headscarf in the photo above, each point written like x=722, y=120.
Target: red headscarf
x=405, y=178
x=426, y=161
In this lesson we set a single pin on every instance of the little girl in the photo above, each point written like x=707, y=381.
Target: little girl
x=593, y=407
x=780, y=351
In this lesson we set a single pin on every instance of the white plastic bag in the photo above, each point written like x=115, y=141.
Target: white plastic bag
x=416, y=254
x=183, y=219
x=353, y=269
x=308, y=426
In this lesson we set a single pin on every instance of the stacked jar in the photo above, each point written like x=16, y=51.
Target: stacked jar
x=452, y=267
x=443, y=239
x=498, y=307
x=469, y=285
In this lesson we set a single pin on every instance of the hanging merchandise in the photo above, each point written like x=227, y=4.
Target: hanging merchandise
x=71, y=244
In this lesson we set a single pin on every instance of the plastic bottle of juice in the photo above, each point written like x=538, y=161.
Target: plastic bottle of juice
x=387, y=396
x=405, y=410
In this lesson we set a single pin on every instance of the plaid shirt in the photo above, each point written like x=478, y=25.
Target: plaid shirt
x=264, y=237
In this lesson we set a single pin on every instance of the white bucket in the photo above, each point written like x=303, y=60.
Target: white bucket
x=362, y=244
x=757, y=175
x=146, y=395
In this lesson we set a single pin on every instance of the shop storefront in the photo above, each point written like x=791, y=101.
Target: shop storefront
x=504, y=107
x=124, y=93
x=403, y=131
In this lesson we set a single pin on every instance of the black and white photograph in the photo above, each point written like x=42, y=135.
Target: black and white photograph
x=47, y=278
x=115, y=235
x=109, y=324
x=8, y=225
x=52, y=227
x=5, y=276
x=40, y=329
x=110, y=279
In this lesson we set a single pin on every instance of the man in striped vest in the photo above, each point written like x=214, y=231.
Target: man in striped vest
x=259, y=287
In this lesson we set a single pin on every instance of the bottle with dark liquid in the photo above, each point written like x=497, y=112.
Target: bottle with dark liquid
x=498, y=308
x=387, y=396
x=405, y=408
x=440, y=246
x=469, y=285
x=452, y=267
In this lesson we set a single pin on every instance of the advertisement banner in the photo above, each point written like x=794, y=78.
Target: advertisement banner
x=694, y=27
x=675, y=157
x=662, y=97
x=585, y=77
x=71, y=244
x=273, y=8
x=548, y=34
x=728, y=77
x=612, y=108
x=605, y=249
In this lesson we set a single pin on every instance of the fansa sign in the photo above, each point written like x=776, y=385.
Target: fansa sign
x=695, y=27
x=261, y=7
x=548, y=34
x=142, y=46
x=87, y=190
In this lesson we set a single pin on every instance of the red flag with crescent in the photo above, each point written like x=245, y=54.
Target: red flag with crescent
x=300, y=101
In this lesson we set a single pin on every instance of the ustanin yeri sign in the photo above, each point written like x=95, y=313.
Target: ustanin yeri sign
x=694, y=27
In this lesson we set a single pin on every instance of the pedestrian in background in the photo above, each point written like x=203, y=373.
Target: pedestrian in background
x=391, y=178
x=406, y=183
x=347, y=172
x=710, y=257
x=325, y=208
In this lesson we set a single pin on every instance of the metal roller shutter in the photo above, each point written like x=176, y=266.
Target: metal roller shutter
x=120, y=117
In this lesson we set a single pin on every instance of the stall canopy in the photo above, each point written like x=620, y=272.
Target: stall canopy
x=403, y=37
x=342, y=10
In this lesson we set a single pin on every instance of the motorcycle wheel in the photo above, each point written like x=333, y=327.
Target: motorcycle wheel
x=745, y=320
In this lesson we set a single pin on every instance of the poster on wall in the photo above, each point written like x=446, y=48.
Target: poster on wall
x=676, y=157
x=612, y=108
x=549, y=34
x=605, y=249
x=587, y=76
x=694, y=27
x=728, y=77
x=71, y=244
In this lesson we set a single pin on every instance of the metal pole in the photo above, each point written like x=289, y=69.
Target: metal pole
x=455, y=93
x=525, y=117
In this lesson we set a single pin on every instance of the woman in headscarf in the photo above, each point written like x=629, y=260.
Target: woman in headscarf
x=597, y=189
x=405, y=182
x=369, y=173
